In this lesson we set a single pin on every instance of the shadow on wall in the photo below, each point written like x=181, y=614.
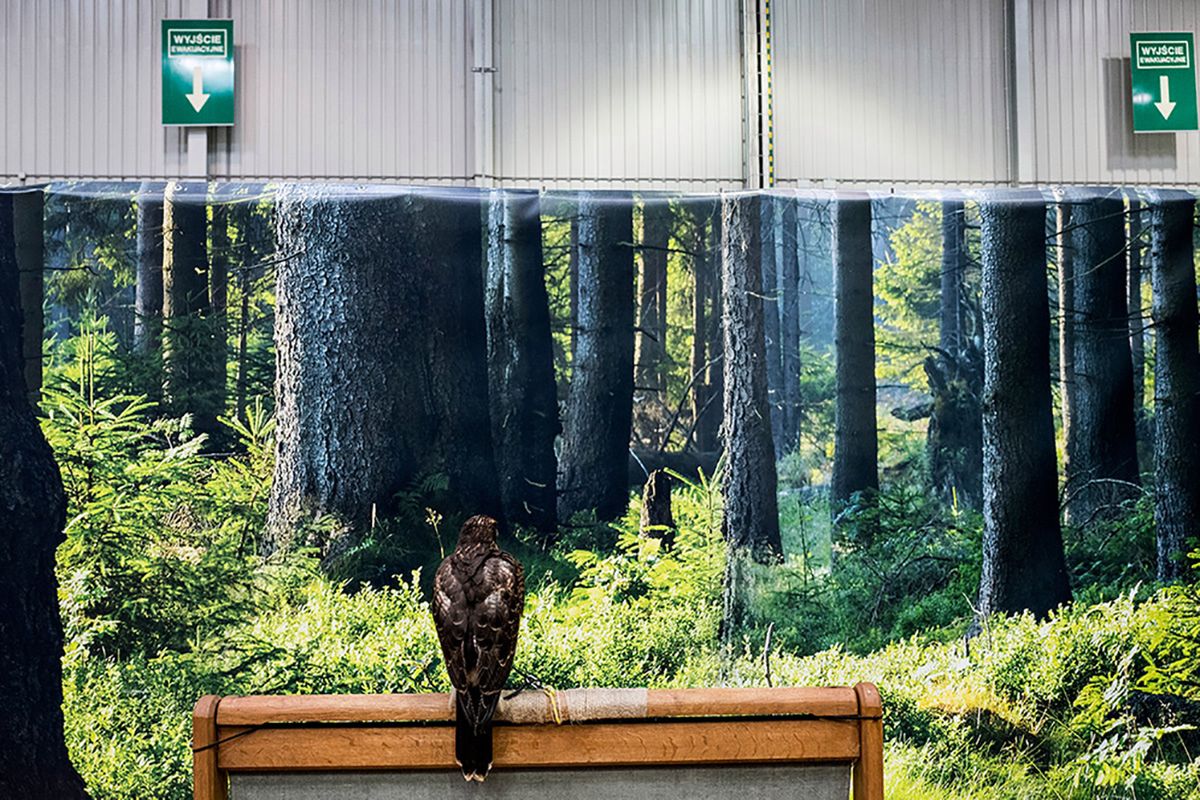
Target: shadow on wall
x=1126, y=149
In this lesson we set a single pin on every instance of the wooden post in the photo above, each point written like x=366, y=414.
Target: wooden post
x=27, y=236
x=209, y=782
x=868, y=770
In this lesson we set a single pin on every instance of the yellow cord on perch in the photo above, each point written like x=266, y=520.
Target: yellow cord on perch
x=553, y=698
x=571, y=705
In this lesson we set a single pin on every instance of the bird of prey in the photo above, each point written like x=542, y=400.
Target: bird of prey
x=478, y=597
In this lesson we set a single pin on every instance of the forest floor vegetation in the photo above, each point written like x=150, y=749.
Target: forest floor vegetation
x=164, y=598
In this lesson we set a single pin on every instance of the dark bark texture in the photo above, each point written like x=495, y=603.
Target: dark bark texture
x=955, y=374
x=524, y=404
x=954, y=255
x=1102, y=471
x=218, y=288
x=1137, y=318
x=769, y=209
x=600, y=406
x=855, y=447
x=1023, y=562
x=955, y=435
x=1176, y=383
x=28, y=215
x=712, y=421
x=370, y=401
x=573, y=282
x=191, y=351
x=708, y=421
x=651, y=340
x=241, y=377
x=698, y=359
x=33, y=755
x=255, y=246
x=1066, y=320
x=789, y=324
x=751, y=521
x=148, y=302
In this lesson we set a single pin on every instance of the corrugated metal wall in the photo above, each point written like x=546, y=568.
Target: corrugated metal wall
x=638, y=93
x=908, y=91
x=619, y=92
x=1080, y=129
x=79, y=90
x=354, y=90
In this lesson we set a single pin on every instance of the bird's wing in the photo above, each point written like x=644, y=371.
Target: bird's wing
x=496, y=621
x=450, y=617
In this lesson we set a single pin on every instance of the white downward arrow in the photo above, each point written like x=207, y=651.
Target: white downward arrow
x=198, y=98
x=1164, y=106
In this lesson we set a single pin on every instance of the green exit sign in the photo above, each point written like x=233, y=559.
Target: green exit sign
x=1163, y=69
x=197, y=71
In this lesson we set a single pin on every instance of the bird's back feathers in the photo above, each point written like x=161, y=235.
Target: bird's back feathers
x=478, y=598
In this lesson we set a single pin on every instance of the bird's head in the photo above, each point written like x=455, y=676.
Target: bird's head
x=479, y=529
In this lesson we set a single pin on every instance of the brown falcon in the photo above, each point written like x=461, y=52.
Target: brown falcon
x=478, y=597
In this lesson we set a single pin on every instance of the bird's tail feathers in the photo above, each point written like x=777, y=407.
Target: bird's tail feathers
x=473, y=733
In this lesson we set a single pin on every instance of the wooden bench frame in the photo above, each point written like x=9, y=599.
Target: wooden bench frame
x=328, y=733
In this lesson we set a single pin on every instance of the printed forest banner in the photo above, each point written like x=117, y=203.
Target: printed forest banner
x=713, y=425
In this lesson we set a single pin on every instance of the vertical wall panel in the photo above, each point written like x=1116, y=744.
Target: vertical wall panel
x=370, y=90
x=623, y=92
x=1081, y=96
x=79, y=83
x=891, y=91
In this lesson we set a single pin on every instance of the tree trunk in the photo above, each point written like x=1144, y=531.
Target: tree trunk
x=955, y=373
x=28, y=215
x=524, y=404
x=816, y=275
x=190, y=347
x=955, y=435
x=805, y=313
x=770, y=301
x=1137, y=320
x=697, y=364
x=716, y=323
x=651, y=340
x=1176, y=383
x=855, y=448
x=1066, y=323
x=751, y=520
x=219, y=291
x=656, y=518
x=33, y=755
x=381, y=362
x=600, y=406
x=1103, y=469
x=148, y=303
x=789, y=324
x=954, y=254
x=337, y=389
x=245, y=286
x=253, y=230
x=1023, y=563
x=708, y=427
x=573, y=283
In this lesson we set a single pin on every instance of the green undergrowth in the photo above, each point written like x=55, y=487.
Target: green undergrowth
x=1025, y=710
x=164, y=598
